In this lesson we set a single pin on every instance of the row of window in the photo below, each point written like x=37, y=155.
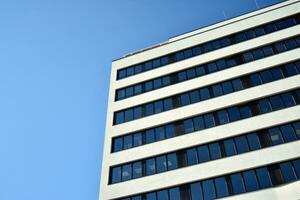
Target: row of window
x=209, y=46
x=212, y=151
x=232, y=184
x=204, y=69
x=209, y=120
x=205, y=93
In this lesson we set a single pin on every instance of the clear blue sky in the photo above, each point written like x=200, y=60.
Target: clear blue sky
x=55, y=58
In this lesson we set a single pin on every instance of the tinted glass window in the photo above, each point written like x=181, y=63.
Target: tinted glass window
x=296, y=165
x=245, y=112
x=126, y=172
x=138, y=89
x=200, y=71
x=288, y=133
x=231, y=62
x=288, y=99
x=170, y=131
x=116, y=175
x=165, y=60
x=148, y=66
x=156, y=63
x=172, y=161
x=128, y=115
x=137, y=112
x=290, y=69
x=288, y=172
x=151, y=196
x=122, y=74
x=118, y=144
x=184, y=99
x=120, y=94
x=196, y=51
x=237, y=183
x=268, y=51
x=161, y=164
x=162, y=195
x=277, y=73
x=138, y=69
x=266, y=76
x=150, y=166
x=191, y=73
x=160, y=133
x=240, y=37
x=229, y=147
x=259, y=31
x=212, y=67
x=280, y=47
x=225, y=42
x=168, y=104
x=196, y=191
x=250, y=34
x=215, y=151
x=181, y=76
x=221, y=64
x=188, y=126
x=257, y=54
x=270, y=28
x=253, y=141
x=208, y=190
x=119, y=118
x=157, y=83
x=250, y=181
x=199, y=123
x=158, y=106
x=194, y=96
x=276, y=102
x=129, y=91
x=130, y=71
x=149, y=136
x=297, y=128
x=128, y=141
x=263, y=177
x=166, y=80
x=223, y=117
x=290, y=44
x=192, y=157
x=227, y=87
x=137, y=169
x=255, y=79
x=203, y=153
x=148, y=109
x=174, y=193
x=264, y=106
x=221, y=187
x=204, y=93
x=209, y=120
x=241, y=144
x=216, y=44
x=207, y=47
x=275, y=136
x=148, y=86
x=179, y=56
x=234, y=114
x=248, y=57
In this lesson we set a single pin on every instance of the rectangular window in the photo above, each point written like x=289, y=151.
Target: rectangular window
x=199, y=123
x=234, y=114
x=181, y=159
x=204, y=93
x=149, y=136
x=264, y=106
x=119, y=118
x=263, y=177
x=129, y=92
x=120, y=94
x=223, y=117
x=280, y=47
x=127, y=142
x=288, y=100
x=231, y=62
x=116, y=175
x=172, y=161
x=221, y=64
x=250, y=181
x=196, y=51
x=229, y=147
x=118, y=144
x=266, y=76
x=259, y=31
x=268, y=51
x=275, y=174
x=160, y=133
x=191, y=73
x=250, y=34
x=200, y=71
x=245, y=112
x=126, y=172
x=216, y=44
x=203, y=154
x=196, y=191
x=162, y=195
x=149, y=109
x=137, y=112
x=130, y=71
x=276, y=102
x=156, y=63
x=121, y=73
x=221, y=187
x=181, y=76
x=241, y=144
x=179, y=56
x=137, y=169
x=209, y=190
x=166, y=80
x=253, y=141
x=158, y=107
x=195, y=97
x=212, y=67
x=138, y=89
x=174, y=193
x=161, y=164
x=192, y=157
x=128, y=115
x=209, y=120
x=157, y=83
x=288, y=133
x=148, y=86
x=217, y=90
x=277, y=73
x=297, y=129
x=138, y=69
x=237, y=183
x=296, y=165
x=290, y=44
x=170, y=131
x=165, y=60
x=215, y=151
x=227, y=87
x=275, y=136
x=257, y=54
x=207, y=47
x=288, y=172
x=168, y=104
x=255, y=79
x=188, y=126
x=248, y=57
x=150, y=166
x=185, y=99
x=225, y=42
x=290, y=69
x=151, y=196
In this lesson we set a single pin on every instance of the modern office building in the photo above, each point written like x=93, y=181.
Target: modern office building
x=213, y=113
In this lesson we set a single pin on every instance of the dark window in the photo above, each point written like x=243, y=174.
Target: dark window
x=116, y=175
x=250, y=181
x=245, y=112
x=247, y=57
x=166, y=80
x=229, y=147
x=148, y=65
x=158, y=106
x=191, y=73
x=255, y=79
x=199, y=123
x=137, y=112
x=118, y=144
x=221, y=64
x=172, y=161
x=138, y=69
x=290, y=69
x=288, y=133
x=188, y=53
x=280, y=47
x=181, y=159
x=212, y=67
x=161, y=164
x=241, y=144
x=204, y=93
x=162, y=195
x=266, y=76
x=276, y=102
x=160, y=133
x=240, y=37
x=257, y=54
x=168, y=104
x=275, y=174
x=122, y=74
x=150, y=166
x=195, y=96
x=216, y=44
x=277, y=73
x=128, y=115
x=148, y=109
x=126, y=172
x=185, y=99
x=259, y=31
x=138, y=89
x=179, y=56
x=130, y=71
x=253, y=141
x=207, y=47
x=288, y=99
x=209, y=120
x=151, y=196
x=135, y=198
x=174, y=193
x=215, y=151
x=223, y=117
x=208, y=190
x=231, y=62
x=263, y=178
x=281, y=24
x=227, y=87
x=234, y=114
x=268, y=51
x=250, y=34
x=290, y=44
x=221, y=187
x=148, y=86
x=137, y=139
x=296, y=164
x=264, y=106
x=225, y=42
x=165, y=60
x=119, y=118
x=149, y=136
x=188, y=126
x=137, y=169
x=200, y=71
x=120, y=94
x=182, y=76
x=156, y=63
x=157, y=83
x=203, y=154
x=196, y=191
x=196, y=51
x=217, y=90
x=192, y=156
x=297, y=129
x=237, y=183
x=127, y=142
x=270, y=28
x=170, y=131
x=288, y=172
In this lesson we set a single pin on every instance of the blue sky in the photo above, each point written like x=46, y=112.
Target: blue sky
x=55, y=58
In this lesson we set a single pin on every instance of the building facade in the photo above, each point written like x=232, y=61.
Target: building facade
x=210, y=114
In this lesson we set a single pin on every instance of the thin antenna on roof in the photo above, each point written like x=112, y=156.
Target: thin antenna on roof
x=257, y=6
x=224, y=14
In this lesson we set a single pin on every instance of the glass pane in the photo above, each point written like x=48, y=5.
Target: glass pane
x=116, y=175
x=207, y=47
x=250, y=181
x=138, y=89
x=266, y=76
x=237, y=183
x=209, y=120
x=137, y=112
x=259, y=31
x=118, y=144
x=170, y=130
x=217, y=90
x=290, y=44
x=288, y=172
x=120, y=94
x=195, y=97
x=130, y=71
x=157, y=83
x=296, y=165
x=196, y=191
x=227, y=87
x=138, y=69
x=119, y=118
x=288, y=99
x=215, y=151
x=280, y=47
x=127, y=142
x=196, y=51
x=199, y=123
x=263, y=178
x=255, y=79
x=179, y=56
x=168, y=104
x=229, y=147
x=258, y=54
x=248, y=57
x=200, y=71
x=204, y=93
x=188, y=126
x=209, y=190
x=268, y=51
x=250, y=34
x=223, y=117
x=160, y=133
x=231, y=62
x=126, y=172
x=156, y=63
x=297, y=129
x=121, y=74
x=277, y=73
x=184, y=99
x=136, y=198
x=128, y=115
x=203, y=153
x=241, y=144
x=174, y=193
x=158, y=107
x=276, y=103
x=225, y=42
x=191, y=73
x=150, y=166
x=221, y=64
x=275, y=136
x=137, y=169
x=221, y=187
x=181, y=76
x=234, y=114
x=253, y=141
x=264, y=106
x=245, y=112
x=149, y=136
x=166, y=80
x=151, y=196
x=165, y=60
x=129, y=91
x=288, y=133
x=212, y=67
x=216, y=44
x=161, y=164
x=192, y=156
x=237, y=84
x=172, y=161
x=162, y=195
x=149, y=109
x=148, y=86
